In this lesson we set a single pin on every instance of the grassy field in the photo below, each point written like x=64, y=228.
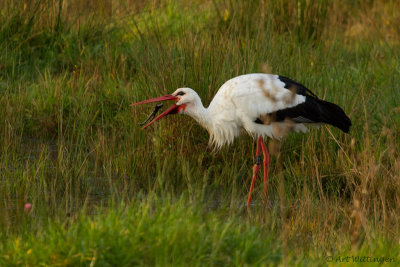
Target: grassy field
x=105, y=193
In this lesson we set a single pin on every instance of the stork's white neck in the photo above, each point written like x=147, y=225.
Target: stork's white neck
x=222, y=130
x=197, y=111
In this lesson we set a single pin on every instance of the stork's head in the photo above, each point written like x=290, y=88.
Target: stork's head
x=186, y=100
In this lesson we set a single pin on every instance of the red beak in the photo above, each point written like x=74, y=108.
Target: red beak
x=171, y=110
x=157, y=99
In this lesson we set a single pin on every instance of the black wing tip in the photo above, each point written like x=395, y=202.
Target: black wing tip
x=345, y=128
x=334, y=115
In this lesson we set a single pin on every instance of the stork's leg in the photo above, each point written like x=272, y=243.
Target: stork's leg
x=256, y=168
x=267, y=162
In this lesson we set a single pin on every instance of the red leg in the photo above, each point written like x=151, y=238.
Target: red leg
x=266, y=169
x=256, y=168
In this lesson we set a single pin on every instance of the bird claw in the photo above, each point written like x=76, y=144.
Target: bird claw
x=152, y=115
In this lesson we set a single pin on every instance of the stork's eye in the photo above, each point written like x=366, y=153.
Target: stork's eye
x=180, y=93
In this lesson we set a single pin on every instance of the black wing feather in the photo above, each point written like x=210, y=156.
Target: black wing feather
x=313, y=110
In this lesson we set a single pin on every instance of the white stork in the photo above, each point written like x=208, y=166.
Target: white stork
x=262, y=104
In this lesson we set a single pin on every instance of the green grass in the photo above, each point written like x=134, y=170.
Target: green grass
x=105, y=192
x=155, y=231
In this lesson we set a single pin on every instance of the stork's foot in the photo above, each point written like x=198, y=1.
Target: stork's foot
x=267, y=162
x=256, y=170
x=257, y=167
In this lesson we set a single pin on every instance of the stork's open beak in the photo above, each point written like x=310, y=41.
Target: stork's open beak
x=171, y=110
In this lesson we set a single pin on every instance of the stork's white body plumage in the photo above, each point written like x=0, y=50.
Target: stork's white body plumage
x=238, y=103
x=262, y=105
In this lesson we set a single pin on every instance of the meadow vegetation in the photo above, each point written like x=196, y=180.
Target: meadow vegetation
x=106, y=193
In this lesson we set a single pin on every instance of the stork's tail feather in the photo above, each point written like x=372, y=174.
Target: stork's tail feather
x=334, y=115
